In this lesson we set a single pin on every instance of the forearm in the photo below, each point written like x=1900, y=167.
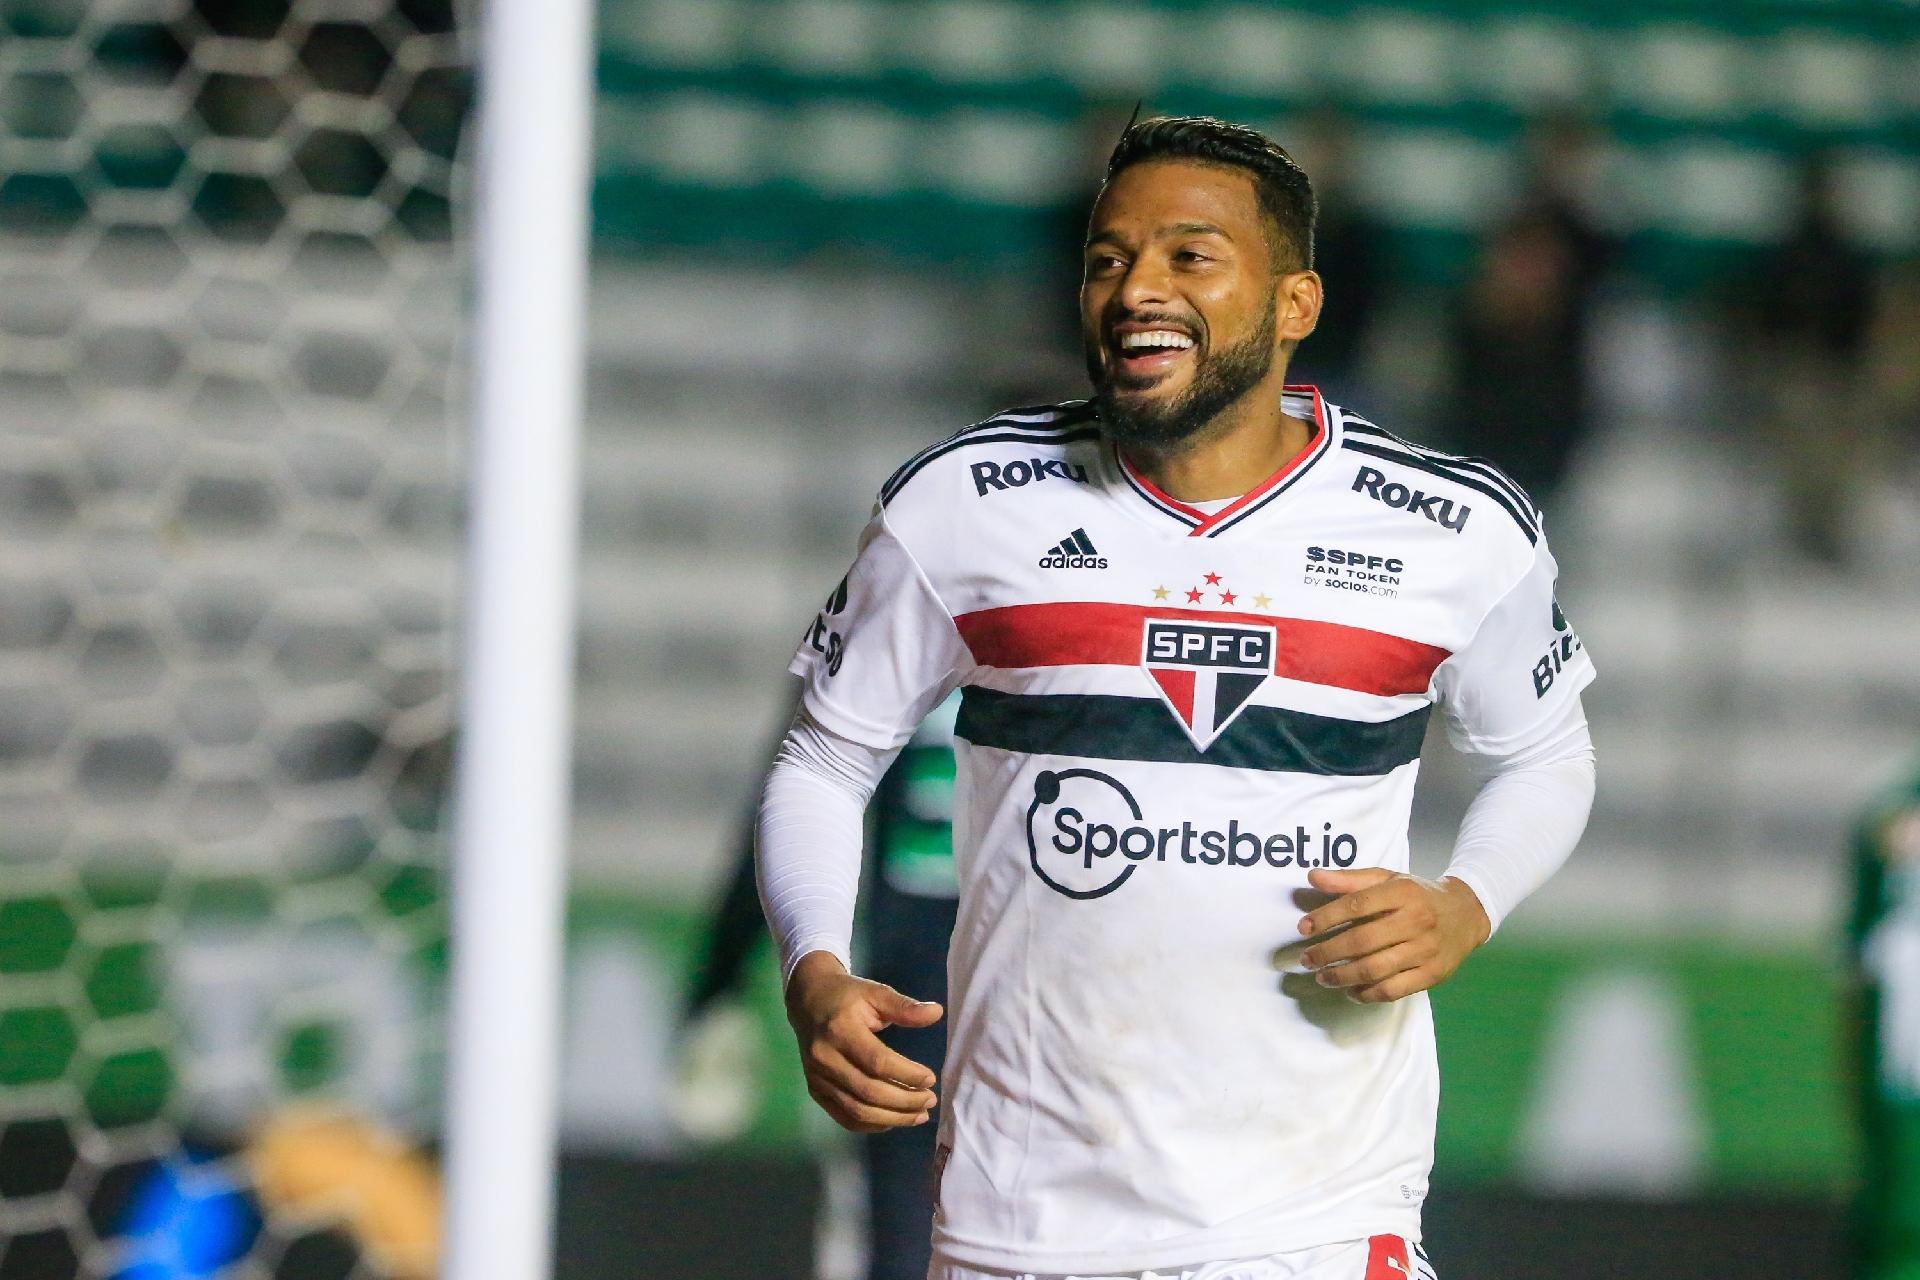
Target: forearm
x=1528, y=816
x=808, y=838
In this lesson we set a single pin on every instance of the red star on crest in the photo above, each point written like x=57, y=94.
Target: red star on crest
x=1193, y=595
x=1213, y=579
x=1226, y=597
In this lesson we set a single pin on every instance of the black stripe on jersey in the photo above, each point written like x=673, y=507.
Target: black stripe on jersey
x=1107, y=727
x=1082, y=543
x=1041, y=411
x=1414, y=460
x=900, y=478
x=1485, y=468
x=1478, y=468
x=1033, y=418
x=1061, y=429
x=1050, y=417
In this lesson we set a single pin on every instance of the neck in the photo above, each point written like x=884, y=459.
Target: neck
x=1249, y=441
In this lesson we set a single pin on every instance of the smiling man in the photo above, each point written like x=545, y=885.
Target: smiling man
x=1199, y=623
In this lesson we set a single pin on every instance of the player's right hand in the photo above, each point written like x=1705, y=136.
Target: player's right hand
x=862, y=1084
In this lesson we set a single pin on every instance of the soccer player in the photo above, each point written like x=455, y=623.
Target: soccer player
x=1883, y=934
x=1198, y=623
x=910, y=893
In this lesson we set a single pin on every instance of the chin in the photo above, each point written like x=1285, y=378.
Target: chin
x=1163, y=387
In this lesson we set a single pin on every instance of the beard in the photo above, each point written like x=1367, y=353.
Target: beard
x=1219, y=381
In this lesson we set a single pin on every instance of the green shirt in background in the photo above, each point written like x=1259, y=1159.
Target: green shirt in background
x=1884, y=937
x=913, y=833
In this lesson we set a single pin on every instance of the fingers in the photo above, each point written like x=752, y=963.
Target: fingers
x=1354, y=906
x=1361, y=940
x=1329, y=880
x=862, y=1117
x=902, y=1011
x=1399, y=986
x=1393, y=946
x=1384, y=891
x=828, y=1060
x=1379, y=967
x=861, y=1083
x=868, y=1053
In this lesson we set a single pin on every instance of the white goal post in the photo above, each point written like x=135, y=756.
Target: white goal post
x=511, y=779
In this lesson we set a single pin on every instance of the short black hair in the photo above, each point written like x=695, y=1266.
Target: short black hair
x=1282, y=187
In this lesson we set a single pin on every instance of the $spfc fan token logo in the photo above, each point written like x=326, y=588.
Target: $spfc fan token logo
x=1206, y=671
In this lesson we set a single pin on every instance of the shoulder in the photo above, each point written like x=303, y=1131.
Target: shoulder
x=1450, y=490
x=1011, y=449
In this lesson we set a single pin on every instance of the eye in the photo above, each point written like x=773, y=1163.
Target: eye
x=1191, y=255
x=1098, y=262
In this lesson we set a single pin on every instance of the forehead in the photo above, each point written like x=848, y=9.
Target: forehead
x=1153, y=197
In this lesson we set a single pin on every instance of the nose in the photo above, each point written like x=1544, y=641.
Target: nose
x=1146, y=284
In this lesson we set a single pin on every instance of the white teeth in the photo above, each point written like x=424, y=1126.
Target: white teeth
x=1154, y=338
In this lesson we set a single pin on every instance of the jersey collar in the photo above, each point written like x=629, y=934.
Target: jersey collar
x=1202, y=525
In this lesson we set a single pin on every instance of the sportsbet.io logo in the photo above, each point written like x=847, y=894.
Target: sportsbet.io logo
x=1087, y=835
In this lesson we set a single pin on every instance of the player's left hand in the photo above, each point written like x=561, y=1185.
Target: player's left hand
x=1405, y=933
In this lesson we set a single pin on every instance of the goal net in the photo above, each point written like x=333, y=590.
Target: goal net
x=230, y=293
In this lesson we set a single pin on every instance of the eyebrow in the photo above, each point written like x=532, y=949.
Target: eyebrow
x=1198, y=229
x=1177, y=229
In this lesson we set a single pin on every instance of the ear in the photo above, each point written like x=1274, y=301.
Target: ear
x=1299, y=299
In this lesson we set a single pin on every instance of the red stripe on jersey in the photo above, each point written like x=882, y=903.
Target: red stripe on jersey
x=1179, y=688
x=1387, y=1259
x=1254, y=494
x=1089, y=633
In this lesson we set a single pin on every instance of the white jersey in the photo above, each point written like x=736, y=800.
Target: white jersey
x=1168, y=718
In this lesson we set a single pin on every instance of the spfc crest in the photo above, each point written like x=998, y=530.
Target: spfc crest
x=1206, y=671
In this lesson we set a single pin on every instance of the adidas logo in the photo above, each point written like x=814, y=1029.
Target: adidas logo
x=1075, y=551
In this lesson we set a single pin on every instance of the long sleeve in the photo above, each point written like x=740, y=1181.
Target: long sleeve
x=809, y=835
x=1529, y=814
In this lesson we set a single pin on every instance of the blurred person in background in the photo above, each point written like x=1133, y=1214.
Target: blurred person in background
x=907, y=918
x=1346, y=254
x=1805, y=316
x=1883, y=935
x=1189, y=1075
x=1561, y=154
x=1893, y=366
x=1519, y=367
x=1519, y=391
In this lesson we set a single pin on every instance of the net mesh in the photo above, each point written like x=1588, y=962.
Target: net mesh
x=229, y=304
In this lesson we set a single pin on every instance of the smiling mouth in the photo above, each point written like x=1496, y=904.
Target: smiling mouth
x=1146, y=355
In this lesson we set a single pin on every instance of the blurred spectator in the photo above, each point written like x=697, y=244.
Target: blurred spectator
x=1521, y=386
x=1518, y=367
x=1807, y=312
x=1347, y=254
x=1893, y=363
x=1560, y=150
